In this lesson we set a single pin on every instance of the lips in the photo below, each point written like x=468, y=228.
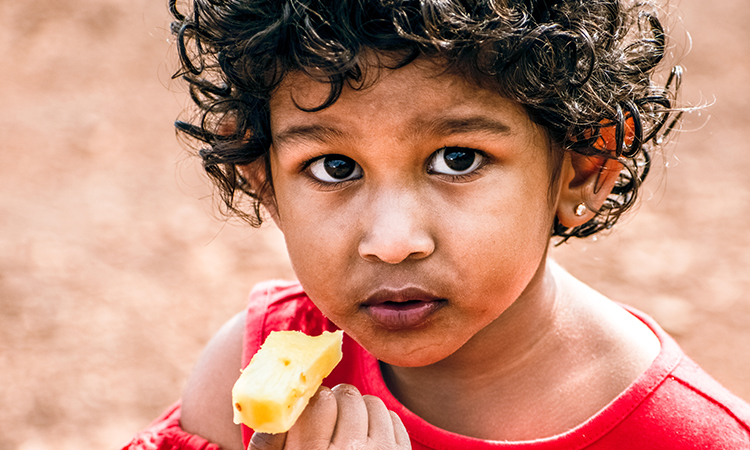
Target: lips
x=401, y=308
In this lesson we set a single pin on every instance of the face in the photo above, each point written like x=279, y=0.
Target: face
x=415, y=211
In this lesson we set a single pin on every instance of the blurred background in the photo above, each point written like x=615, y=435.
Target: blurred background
x=115, y=269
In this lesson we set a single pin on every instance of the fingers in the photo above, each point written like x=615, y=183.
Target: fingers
x=263, y=441
x=399, y=430
x=380, y=423
x=342, y=418
x=365, y=422
x=315, y=426
x=352, y=422
x=385, y=426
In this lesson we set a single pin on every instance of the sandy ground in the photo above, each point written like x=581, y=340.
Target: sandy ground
x=115, y=270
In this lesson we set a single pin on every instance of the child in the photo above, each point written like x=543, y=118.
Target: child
x=419, y=157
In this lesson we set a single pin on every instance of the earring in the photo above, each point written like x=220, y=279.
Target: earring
x=580, y=210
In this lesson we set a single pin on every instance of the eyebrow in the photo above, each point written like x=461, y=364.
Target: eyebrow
x=446, y=126
x=303, y=133
x=441, y=126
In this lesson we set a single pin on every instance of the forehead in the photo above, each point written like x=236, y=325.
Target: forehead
x=418, y=93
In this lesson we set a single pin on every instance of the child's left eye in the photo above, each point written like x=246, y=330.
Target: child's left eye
x=455, y=161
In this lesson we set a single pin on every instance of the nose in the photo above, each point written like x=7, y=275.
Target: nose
x=396, y=230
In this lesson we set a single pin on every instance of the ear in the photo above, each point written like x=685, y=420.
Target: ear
x=256, y=175
x=586, y=180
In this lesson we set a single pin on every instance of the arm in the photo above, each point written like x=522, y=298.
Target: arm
x=334, y=419
x=207, y=400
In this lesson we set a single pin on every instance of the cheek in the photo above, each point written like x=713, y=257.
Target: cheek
x=510, y=216
x=498, y=253
x=319, y=243
x=505, y=234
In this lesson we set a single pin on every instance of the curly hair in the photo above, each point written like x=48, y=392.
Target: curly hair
x=578, y=67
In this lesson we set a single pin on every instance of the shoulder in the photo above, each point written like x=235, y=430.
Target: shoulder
x=687, y=410
x=702, y=400
x=675, y=404
x=207, y=399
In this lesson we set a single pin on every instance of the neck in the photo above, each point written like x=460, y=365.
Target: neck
x=553, y=359
x=500, y=362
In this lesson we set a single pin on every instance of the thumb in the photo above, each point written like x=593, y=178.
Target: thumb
x=265, y=441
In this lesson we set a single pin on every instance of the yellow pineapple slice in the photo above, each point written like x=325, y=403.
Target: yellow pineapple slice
x=286, y=371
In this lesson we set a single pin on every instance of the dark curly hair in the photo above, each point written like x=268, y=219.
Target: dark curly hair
x=577, y=66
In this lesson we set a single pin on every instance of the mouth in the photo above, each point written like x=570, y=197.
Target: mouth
x=401, y=308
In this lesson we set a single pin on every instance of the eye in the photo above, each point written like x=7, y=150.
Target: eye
x=455, y=161
x=335, y=169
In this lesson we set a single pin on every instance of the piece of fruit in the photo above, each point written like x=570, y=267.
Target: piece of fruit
x=287, y=370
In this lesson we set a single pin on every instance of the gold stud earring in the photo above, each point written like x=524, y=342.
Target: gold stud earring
x=580, y=210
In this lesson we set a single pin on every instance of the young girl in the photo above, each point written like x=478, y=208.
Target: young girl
x=419, y=158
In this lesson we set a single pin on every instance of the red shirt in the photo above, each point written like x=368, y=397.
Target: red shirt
x=673, y=405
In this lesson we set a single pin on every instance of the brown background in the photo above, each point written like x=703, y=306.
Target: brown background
x=114, y=270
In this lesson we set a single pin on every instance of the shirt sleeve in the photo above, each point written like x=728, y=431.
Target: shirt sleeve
x=165, y=433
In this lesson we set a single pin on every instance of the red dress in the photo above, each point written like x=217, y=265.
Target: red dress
x=673, y=405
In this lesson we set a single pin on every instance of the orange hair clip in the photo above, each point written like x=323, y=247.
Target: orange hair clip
x=608, y=134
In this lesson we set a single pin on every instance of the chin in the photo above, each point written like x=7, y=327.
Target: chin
x=399, y=355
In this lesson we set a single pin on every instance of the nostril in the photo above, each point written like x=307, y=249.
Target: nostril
x=393, y=251
x=396, y=229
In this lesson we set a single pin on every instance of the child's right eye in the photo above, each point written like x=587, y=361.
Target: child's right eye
x=334, y=169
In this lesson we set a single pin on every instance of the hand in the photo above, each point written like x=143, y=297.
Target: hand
x=340, y=419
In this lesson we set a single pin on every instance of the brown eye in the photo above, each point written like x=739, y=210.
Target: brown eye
x=335, y=168
x=455, y=161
